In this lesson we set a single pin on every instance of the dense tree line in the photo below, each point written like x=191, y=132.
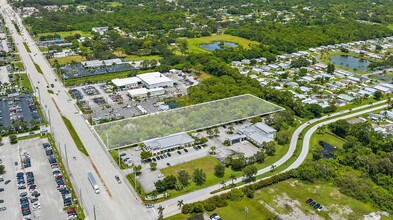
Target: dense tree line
x=288, y=38
x=363, y=169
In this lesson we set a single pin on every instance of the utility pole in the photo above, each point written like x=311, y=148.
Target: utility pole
x=118, y=155
x=66, y=156
x=94, y=211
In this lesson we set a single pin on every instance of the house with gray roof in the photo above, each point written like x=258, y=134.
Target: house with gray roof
x=168, y=143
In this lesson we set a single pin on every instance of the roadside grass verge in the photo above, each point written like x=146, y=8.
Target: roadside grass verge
x=75, y=136
x=115, y=156
x=23, y=80
x=76, y=203
x=67, y=60
x=16, y=26
x=193, y=43
x=38, y=68
x=30, y=136
x=26, y=47
x=139, y=188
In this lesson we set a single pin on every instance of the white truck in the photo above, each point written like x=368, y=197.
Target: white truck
x=93, y=182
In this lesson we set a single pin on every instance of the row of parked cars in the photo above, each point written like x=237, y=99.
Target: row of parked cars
x=168, y=154
x=58, y=176
x=23, y=196
x=77, y=93
x=26, y=162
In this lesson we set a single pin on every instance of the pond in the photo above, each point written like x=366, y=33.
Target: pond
x=217, y=45
x=328, y=149
x=351, y=62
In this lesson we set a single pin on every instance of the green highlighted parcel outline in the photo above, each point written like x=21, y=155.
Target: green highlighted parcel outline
x=134, y=130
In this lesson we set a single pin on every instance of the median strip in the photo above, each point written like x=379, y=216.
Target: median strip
x=75, y=136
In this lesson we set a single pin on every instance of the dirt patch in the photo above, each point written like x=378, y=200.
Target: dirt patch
x=339, y=211
x=292, y=209
x=294, y=183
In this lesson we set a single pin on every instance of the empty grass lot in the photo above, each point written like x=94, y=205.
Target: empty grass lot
x=67, y=60
x=193, y=43
x=291, y=191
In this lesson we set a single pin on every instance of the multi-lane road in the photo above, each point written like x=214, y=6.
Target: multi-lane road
x=115, y=200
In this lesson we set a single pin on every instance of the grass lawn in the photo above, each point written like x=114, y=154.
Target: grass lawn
x=67, y=60
x=26, y=47
x=135, y=57
x=101, y=78
x=25, y=82
x=208, y=163
x=283, y=197
x=353, y=105
x=114, y=4
x=327, y=137
x=65, y=34
x=19, y=65
x=193, y=43
x=74, y=135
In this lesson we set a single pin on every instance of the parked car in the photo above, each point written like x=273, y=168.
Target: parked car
x=168, y=164
x=23, y=194
x=1, y=201
x=1, y=189
x=118, y=179
x=199, y=147
x=169, y=154
x=178, y=152
x=185, y=150
x=7, y=181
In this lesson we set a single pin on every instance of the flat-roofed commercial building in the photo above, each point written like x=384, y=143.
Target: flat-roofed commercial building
x=155, y=80
x=168, y=143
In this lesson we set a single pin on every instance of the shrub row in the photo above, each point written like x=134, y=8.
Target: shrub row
x=235, y=194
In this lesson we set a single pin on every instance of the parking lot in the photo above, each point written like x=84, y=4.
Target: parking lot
x=106, y=103
x=45, y=202
x=149, y=177
x=117, y=104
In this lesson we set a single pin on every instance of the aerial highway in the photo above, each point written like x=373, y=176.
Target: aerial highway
x=116, y=200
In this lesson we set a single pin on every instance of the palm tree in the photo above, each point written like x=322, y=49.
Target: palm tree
x=223, y=184
x=160, y=212
x=272, y=168
x=233, y=178
x=213, y=149
x=180, y=203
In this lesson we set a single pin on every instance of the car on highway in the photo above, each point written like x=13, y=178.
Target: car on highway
x=118, y=179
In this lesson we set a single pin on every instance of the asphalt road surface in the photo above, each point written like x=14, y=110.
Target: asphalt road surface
x=116, y=201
